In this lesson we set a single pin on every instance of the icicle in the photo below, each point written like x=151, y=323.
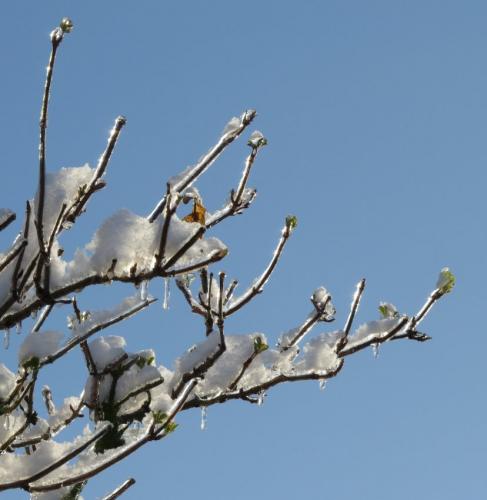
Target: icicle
x=33, y=314
x=6, y=422
x=18, y=328
x=260, y=398
x=375, y=350
x=322, y=384
x=167, y=294
x=204, y=417
x=6, y=338
x=144, y=290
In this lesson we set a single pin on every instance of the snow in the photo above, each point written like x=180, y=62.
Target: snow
x=320, y=354
x=107, y=350
x=7, y=382
x=39, y=345
x=232, y=125
x=62, y=186
x=131, y=239
x=373, y=330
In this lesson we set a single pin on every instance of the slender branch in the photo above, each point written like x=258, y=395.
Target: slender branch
x=120, y=490
x=182, y=250
x=213, y=256
x=95, y=184
x=256, y=288
x=354, y=307
x=42, y=317
x=56, y=36
x=195, y=307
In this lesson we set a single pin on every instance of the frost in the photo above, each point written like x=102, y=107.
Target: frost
x=39, y=345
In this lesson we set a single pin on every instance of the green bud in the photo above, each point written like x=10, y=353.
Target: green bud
x=291, y=222
x=31, y=364
x=259, y=345
x=159, y=417
x=446, y=281
x=66, y=25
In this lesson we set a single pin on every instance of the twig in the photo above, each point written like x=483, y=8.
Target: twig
x=256, y=288
x=120, y=490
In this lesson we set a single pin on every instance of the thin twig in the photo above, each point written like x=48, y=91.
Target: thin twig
x=120, y=490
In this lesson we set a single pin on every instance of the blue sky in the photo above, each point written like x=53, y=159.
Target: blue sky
x=375, y=116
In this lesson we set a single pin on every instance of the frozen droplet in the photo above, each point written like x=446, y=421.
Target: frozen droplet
x=18, y=328
x=375, y=350
x=322, y=384
x=144, y=290
x=204, y=417
x=33, y=314
x=260, y=398
x=6, y=339
x=167, y=294
x=67, y=225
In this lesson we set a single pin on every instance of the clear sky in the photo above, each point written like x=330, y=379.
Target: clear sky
x=375, y=115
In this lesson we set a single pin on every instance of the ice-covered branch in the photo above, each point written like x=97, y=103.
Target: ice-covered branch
x=184, y=180
x=120, y=490
x=256, y=288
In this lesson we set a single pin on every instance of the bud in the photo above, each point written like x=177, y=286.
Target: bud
x=446, y=281
x=66, y=25
x=388, y=310
x=291, y=222
x=257, y=140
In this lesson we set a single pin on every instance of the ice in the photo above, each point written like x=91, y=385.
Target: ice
x=39, y=345
x=375, y=349
x=204, y=417
x=257, y=139
x=144, y=290
x=260, y=397
x=6, y=339
x=322, y=384
x=167, y=292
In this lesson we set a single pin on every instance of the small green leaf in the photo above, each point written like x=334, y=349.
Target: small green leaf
x=159, y=417
x=171, y=427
